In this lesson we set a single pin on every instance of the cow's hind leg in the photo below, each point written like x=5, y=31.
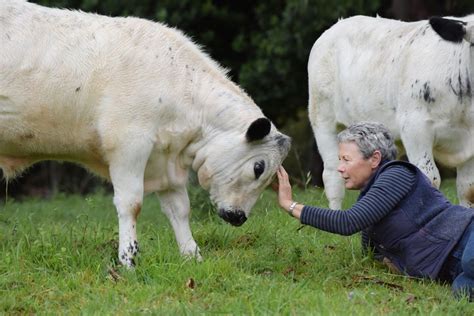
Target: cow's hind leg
x=326, y=138
x=465, y=183
x=417, y=137
x=127, y=169
x=175, y=204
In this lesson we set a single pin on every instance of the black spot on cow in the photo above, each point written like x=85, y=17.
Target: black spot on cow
x=450, y=83
x=78, y=89
x=460, y=86
x=468, y=87
x=426, y=92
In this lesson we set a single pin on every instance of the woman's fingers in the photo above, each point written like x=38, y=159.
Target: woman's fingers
x=283, y=172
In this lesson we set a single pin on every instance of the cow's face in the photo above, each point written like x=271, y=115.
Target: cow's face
x=237, y=168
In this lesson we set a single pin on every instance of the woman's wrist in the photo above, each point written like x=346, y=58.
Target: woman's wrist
x=291, y=208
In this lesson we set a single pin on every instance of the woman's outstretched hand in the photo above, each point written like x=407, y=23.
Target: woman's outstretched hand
x=283, y=188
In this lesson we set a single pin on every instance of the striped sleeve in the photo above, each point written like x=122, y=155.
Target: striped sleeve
x=391, y=186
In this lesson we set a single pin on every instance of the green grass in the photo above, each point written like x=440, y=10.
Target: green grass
x=58, y=257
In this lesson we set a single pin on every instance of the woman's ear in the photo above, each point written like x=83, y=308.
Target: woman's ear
x=376, y=159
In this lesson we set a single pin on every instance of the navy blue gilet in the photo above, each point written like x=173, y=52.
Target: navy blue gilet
x=420, y=232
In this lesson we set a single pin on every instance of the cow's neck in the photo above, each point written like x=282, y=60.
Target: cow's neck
x=225, y=112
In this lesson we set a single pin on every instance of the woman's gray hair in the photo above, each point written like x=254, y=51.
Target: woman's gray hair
x=369, y=137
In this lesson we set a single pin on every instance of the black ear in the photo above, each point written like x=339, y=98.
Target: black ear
x=258, y=129
x=450, y=30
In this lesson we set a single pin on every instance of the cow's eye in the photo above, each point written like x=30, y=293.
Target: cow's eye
x=259, y=168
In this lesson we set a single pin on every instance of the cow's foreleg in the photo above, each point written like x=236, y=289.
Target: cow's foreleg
x=465, y=183
x=127, y=168
x=175, y=204
x=417, y=137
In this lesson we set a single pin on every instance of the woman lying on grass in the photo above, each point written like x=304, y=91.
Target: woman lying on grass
x=404, y=220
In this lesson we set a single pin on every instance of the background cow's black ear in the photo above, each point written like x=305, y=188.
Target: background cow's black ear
x=450, y=30
x=258, y=129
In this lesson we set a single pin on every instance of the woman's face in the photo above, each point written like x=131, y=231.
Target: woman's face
x=354, y=169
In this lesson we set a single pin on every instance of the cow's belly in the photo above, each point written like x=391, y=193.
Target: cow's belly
x=378, y=111
x=31, y=134
x=454, y=144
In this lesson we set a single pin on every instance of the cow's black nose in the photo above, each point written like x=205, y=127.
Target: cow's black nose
x=234, y=217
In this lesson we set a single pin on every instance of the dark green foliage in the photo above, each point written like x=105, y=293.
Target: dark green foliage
x=264, y=44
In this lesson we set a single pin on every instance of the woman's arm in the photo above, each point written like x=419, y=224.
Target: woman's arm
x=392, y=185
x=389, y=189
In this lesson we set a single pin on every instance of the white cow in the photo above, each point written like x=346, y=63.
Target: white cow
x=405, y=76
x=137, y=103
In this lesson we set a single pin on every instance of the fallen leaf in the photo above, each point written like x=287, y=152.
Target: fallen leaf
x=372, y=279
x=410, y=299
x=190, y=283
x=114, y=275
x=288, y=270
x=329, y=248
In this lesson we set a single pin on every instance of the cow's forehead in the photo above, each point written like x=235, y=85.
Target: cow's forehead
x=233, y=159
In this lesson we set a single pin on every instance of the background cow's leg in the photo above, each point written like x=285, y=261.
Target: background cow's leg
x=175, y=204
x=465, y=183
x=417, y=137
x=328, y=148
x=127, y=168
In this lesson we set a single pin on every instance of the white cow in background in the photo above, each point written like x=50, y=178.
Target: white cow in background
x=405, y=76
x=137, y=103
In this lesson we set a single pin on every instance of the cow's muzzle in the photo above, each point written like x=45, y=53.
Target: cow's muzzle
x=234, y=217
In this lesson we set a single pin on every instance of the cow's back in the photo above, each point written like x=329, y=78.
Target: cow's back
x=353, y=64
x=64, y=73
x=384, y=70
x=75, y=86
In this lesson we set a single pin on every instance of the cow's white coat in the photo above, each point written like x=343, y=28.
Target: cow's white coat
x=405, y=76
x=135, y=102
